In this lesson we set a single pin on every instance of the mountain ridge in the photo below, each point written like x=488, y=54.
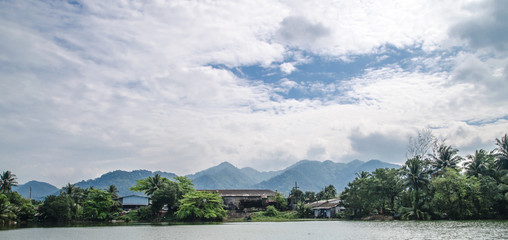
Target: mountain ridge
x=310, y=175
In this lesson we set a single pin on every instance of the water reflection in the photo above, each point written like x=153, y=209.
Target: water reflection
x=281, y=230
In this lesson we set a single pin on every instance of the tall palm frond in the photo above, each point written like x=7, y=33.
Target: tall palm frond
x=445, y=157
x=416, y=174
x=479, y=164
x=8, y=180
x=501, y=152
x=113, y=190
x=155, y=183
x=69, y=189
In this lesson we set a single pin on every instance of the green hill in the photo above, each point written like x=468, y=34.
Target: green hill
x=315, y=175
x=123, y=180
x=39, y=190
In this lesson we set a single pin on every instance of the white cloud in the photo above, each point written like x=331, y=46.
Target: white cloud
x=103, y=86
x=287, y=68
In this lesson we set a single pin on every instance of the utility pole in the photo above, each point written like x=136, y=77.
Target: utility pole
x=293, y=205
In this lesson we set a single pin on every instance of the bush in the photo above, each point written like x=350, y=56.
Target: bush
x=145, y=214
x=304, y=211
x=271, y=211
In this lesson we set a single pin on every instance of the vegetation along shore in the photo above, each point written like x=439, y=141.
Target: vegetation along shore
x=434, y=183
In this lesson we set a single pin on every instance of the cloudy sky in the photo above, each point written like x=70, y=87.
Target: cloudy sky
x=87, y=87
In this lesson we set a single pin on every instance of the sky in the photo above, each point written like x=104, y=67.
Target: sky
x=88, y=87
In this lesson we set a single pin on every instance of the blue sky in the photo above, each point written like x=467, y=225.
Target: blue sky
x=88, y=87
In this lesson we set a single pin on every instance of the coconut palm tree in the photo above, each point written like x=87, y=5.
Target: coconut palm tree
x=69, y=189
x=362, y=174
x=479, y=164
x=8, y=180
x=416, y=174
x=155, y=183
x=443, y=157
x=113, y=190
x=416, y=177
x=501, y=152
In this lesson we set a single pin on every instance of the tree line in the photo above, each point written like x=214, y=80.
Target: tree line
x=72, y=204
x=170, y=200
x=177, y=200
x=434, y=183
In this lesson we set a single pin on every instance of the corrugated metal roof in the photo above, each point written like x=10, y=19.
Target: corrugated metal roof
x=243, y=192
x=324, y=204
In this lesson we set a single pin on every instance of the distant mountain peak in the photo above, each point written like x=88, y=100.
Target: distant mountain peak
x=226, y=164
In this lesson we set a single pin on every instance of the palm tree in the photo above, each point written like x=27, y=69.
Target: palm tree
x=362, y=175
x=155, y=183
x=6, y=211
x=8, y=180
x=501, y=152
x=445, y=156
x=69, y=189
x=416, y=177
x=479, y=164
x=416, y=174
x=113, y=190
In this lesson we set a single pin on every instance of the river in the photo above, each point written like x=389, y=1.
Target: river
x=275, y=230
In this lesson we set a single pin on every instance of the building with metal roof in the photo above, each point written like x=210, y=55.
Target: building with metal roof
x=326, y=208
x=239, y=199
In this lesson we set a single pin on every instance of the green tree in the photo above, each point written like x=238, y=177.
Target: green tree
x=329, y=192
x=7, y=181
x=304, y=211
x=113, y=190
x=77, y=195
x=416, y=177
x=150, y=185
x=69, y=189
x=281, y=203
x=185, y=185
x=358, y=197
x=7, y=214
x=454, y=194
x=21, y=207
x=56, y=208
x=444, y=157
x=99, y=206
x=387, y=186
x=479, y=164
x=201, y=206
x=296, y=196
x=168, y=196
x=310, y=196
x=488, y=201
x=501, y=152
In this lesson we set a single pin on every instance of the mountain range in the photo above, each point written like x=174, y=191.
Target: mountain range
x=309, y=175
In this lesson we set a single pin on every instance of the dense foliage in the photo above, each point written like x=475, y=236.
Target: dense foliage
x=165, y=195
x=13, y=207
x=75, y=203
x=201, y=206
x=433, y=185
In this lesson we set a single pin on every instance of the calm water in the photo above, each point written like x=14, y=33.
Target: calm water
x=279, y=230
